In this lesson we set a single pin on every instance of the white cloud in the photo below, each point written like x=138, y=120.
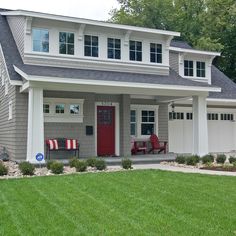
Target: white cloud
x=91, y=9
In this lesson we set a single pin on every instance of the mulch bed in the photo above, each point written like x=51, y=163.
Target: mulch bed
x=220, y=168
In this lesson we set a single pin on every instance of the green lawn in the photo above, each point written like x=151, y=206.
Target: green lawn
x=122, y=203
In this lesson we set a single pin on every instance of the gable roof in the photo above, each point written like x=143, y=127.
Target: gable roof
x=180, y=44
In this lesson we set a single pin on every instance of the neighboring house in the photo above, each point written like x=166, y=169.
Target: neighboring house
x=61, y=76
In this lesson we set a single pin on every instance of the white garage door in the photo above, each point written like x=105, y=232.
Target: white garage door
x=221, y=131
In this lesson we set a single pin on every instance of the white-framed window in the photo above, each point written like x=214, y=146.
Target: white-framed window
x=227, y=116
x=133, y=123
x=155, y=53
x=188, y=68
x=66, y=43
x=201, y=69
x=135, y=50
x=10, y=110
x=143, y=120
x=63, y=110
x=113, y=48
x=212, y=116
x=91, y=46
x=40, y=40
x=176, y=116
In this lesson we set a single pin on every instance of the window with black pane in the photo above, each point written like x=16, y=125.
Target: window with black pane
x=91, y=46
x=135, y=50
x=188, y=68
x=113, y=48
x=201, y=69
x=155, y=53
x=66, y=43
x=147, y=122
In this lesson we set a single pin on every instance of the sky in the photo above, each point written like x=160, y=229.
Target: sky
x=90, y=9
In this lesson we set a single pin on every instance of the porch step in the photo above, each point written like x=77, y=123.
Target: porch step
x=141, y=159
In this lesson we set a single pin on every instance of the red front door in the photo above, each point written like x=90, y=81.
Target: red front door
x=105, y=131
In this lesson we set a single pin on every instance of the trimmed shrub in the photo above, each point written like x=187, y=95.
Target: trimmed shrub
x=81, y=166
x=100, y=164
x=91, y=162
x=57, y=167
x=192, y=160
x=26, y=168
x=221, y=158
x=234, y=163
x=207, y=159
x=48, y=164
x=126, y=164
x=73, y=162
x=180, y=159
x=232, y=160
x=3, y=169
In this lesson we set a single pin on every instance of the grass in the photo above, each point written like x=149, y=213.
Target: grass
x=123, y=203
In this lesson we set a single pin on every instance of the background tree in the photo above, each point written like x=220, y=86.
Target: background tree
x=204, y=24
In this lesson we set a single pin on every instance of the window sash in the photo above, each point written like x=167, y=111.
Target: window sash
x=91, y=46
x=155, y=53
x=188, y=68
x=40, y=40
x=66, y=43
x=113, y=48
x=135, y=50
x=201, y=69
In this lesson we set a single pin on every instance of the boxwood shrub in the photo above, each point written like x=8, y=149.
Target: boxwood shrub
x=232, y=160
x=26, y=168
x=91, y=162
x=126, y=164
x=192, y=160
x=81, y=166
x=180, y=159
x=73, y=162
x=100, y=164
x=48, y=164
x=57, y=167
x=221, y=158
x=3, y=169
x=207, y=159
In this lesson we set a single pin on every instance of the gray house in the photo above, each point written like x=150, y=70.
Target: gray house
x=63, y=76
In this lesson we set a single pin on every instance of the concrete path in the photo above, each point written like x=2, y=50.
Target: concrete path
x=179, y=169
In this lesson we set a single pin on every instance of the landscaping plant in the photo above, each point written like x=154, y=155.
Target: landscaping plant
x=81, y=166
x=221, y=158
x=73, y=162
x=207, y=159
x=232, y=160
x=126, y=164
x=180, y=159
x=48, y=164
x=57, y=167
x=100, y=164
x=91, y=162
x=3, y=169
x=192, y=160
x=26, y=168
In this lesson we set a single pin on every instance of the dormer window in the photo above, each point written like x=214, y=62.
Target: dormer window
x=91, y=46
x=135, y=50
x=40, y=40
x=155, y=53
x=66, y=41
x=201, y=69
x=113, y=48
x=188, y=68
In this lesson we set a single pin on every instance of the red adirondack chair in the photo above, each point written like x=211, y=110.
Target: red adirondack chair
x=135, y=148
x=156, y=144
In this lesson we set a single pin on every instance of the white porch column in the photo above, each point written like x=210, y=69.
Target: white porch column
x=35, y=137
x=200, y=130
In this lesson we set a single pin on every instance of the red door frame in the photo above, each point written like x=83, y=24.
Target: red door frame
x=105, y=130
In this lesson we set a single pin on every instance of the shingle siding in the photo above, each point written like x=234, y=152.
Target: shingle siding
x=17, y=26
x=174, y=61
x=163, y=122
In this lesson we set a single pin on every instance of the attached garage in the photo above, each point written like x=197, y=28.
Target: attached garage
x=221, y=130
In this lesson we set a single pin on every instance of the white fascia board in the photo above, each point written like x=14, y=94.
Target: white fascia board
x=221, y=100
x=122, y=84
x=88, y=22
x=195, y=51
x=20, y=72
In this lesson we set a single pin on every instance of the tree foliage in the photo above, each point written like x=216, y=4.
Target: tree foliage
x=205, y=24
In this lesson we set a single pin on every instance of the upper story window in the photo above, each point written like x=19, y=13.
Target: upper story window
x=201, y=69
x=113, y=48
x=91, y=46
x=155, y=53
x=66, y=43
x=188, y=68
x=135, y=50
x=40, y=40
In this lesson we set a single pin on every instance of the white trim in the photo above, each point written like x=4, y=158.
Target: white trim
x=66, y=117
x=87, y=22
x=138, y=108
x=195, y=51
x=220, y=100
x=20, y=72
x=117, y=125
x=120, y=84
x=10, y=110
